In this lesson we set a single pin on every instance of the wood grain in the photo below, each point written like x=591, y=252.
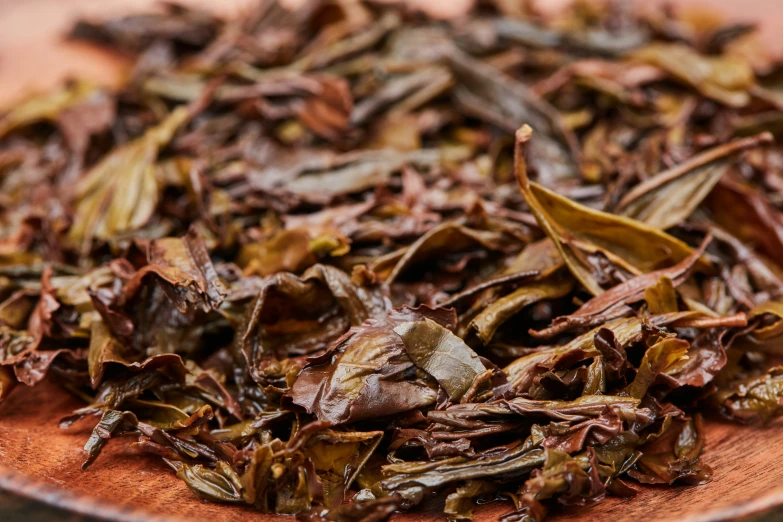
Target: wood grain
x=41, y=461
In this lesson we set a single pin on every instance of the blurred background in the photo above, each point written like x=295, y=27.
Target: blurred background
x=34, y=56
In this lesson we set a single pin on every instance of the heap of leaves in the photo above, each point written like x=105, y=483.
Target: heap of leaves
x=334, y=261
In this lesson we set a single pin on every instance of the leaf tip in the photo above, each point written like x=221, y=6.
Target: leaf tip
x=766, y=137
x=524, y=133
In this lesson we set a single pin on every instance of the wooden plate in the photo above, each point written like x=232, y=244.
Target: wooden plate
x=39, y=461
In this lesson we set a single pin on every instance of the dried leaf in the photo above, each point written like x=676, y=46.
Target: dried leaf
x=578, y=231
x=120, y=193
x=441, y=354
x=670, y=197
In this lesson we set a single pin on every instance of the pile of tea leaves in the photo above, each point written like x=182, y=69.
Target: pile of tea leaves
x=336, y=261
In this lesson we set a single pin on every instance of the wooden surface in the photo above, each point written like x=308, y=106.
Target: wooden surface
x=41, y=461
x=37, y=460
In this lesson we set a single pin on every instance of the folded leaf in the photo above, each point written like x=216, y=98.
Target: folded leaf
x=106, y=351
x=492, y=317
x=219, y=485
x=661, y=297
x=613, y=302
x=724, y=78
x=367, y=373
x=459, y=505
x=291, y=250
x=338, y=458
x=752, y=400
x=774, y=330
x=552, y=282
x=441, y=354
x=449, y=237
x=570, y=478
x=120, y=193
x=413, y=479
x=579, y=231
x=657, y=359
x=670, y=197
x=674, y=454
x=294, y=316
x=577, y=410
x=46, y=108
x=185, y=268
x=491, y=95
x=111, y=421
x=744, y=212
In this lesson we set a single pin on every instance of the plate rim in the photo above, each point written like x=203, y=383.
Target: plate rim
x=16, y=482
